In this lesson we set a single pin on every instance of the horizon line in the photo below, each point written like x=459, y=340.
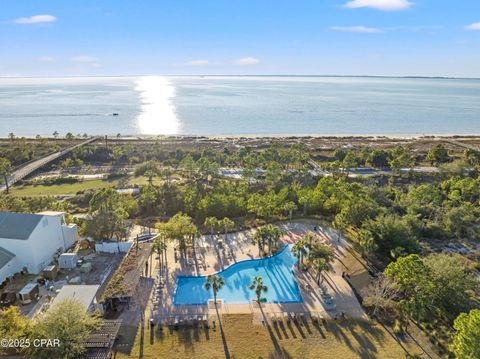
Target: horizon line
x=248, y=75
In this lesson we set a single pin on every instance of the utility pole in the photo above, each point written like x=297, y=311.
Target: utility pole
x=142, y=334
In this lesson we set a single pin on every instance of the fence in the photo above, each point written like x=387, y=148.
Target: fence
x=113, y=247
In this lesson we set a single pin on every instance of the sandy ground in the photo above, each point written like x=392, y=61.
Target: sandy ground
x=236, y=247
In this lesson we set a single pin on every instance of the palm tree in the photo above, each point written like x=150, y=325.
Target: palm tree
x=290, y=207
x=166, y=173
x=215, y=283
x=150, y=174
x=309, y=240
x=319, y=265
x=304, y=202
x=269, y=234
x=259, y=288
x=151, y=170
x=319, y=250
x=300, y=251
x=5, y=171
x=211, y=223
x=320, y=256
x=274, y=235
x=227, y=224
x=259, y=241
x=159, y=246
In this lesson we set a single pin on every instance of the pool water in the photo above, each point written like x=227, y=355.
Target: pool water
x=276, y=271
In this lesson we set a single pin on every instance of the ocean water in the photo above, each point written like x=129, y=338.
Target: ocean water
x=239, y=105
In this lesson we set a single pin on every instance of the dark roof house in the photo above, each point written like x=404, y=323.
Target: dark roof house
x=29, y=242
x=18, y=225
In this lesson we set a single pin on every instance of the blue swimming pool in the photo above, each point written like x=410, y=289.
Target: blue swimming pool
x=276, y=271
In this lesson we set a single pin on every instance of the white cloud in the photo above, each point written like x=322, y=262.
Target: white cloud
x=247, y=61
x=198, y=62
x=474, y=26
x=360, y=29
x=45, y=59
x=84, y=59
x=385, y=5
x=36, y=19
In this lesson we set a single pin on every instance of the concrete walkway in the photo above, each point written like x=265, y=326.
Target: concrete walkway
x=237, y=246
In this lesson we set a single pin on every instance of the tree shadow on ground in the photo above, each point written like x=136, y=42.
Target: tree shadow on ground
x=282, y=355
x=366, y=336
x=317, y=326
x=222, y=333
x=280, y=352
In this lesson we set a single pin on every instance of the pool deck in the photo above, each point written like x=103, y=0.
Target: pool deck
x=236, y=247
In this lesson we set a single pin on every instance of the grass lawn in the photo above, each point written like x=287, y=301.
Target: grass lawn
x=73, y=188
x=61, y=189
x=242, y=340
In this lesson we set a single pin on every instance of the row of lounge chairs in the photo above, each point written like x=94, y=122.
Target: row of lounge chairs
x=293, y=316
x=194, y=320
x=180, y=320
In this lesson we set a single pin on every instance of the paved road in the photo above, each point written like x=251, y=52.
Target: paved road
x=30, y=167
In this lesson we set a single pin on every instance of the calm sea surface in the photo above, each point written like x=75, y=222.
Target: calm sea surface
x=239, y=105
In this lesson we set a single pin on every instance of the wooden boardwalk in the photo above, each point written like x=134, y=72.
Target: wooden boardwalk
x=28, y=168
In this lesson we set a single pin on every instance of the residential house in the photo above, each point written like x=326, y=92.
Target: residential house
x=30, y=242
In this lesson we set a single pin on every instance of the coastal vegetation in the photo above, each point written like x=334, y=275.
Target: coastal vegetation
x=418, y=202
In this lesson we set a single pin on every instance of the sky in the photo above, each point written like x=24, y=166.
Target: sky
x=240, y=37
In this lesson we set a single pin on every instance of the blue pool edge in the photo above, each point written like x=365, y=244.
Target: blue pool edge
x=233, y=264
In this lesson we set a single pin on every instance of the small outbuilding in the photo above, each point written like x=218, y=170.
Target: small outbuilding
x=28, y=293
x=50, y=272
x=67, y=261
x=84, y=294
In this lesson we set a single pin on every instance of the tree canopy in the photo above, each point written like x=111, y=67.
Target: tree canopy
x=69, y=323
x=466, y=342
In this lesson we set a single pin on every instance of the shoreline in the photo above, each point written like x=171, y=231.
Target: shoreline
x=141, y=137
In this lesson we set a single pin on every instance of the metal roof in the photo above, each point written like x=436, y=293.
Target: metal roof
x=18, y=225
x=28, y=288
x=5, y=257
x=51, y=213
x=84, y=294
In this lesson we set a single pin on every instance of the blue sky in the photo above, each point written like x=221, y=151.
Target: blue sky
x=331, y=37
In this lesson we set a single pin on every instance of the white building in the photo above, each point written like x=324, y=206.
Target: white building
x=31, y=241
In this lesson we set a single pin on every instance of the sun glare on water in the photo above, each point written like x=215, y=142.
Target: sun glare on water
x=157, y=116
